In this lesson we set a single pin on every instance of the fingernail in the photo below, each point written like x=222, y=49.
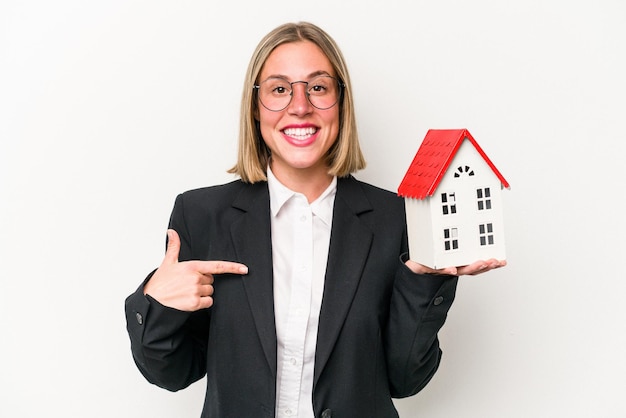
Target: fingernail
x=243, y=270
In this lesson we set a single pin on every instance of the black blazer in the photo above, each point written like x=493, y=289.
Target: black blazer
x=378, y=324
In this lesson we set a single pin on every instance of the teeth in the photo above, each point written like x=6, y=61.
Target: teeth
x=300, y=132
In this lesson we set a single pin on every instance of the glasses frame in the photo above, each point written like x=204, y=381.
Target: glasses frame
x=341, y=85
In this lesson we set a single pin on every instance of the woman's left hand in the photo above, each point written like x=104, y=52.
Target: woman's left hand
x=477, y=267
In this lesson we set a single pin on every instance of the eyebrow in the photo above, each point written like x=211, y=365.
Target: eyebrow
x=310, y=76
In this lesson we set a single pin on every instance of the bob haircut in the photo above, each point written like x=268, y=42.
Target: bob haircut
x=344, y=157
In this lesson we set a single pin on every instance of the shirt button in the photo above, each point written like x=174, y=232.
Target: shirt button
x=139, y=318
x=288, y=412
x=438, y=300
x=303, y=218
x=293, y=361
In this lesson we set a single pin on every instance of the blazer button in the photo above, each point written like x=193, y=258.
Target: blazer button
x=139, y=318
x=438, y=300
x=327, y=413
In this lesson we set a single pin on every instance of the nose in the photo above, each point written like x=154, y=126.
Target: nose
x=300, y=104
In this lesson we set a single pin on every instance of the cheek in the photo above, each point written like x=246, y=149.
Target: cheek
x=334, y=122
x=268, y=118
x=267, y=122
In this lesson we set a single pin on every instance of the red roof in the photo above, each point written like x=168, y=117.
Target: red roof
x=433, y=159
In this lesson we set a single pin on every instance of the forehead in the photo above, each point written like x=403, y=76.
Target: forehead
x=296, y=61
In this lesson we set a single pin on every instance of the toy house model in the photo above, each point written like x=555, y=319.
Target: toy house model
x=452, y=194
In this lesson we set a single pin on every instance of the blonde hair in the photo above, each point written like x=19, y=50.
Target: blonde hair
x=345, y=156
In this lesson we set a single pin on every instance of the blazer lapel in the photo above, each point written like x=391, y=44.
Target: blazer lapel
x=350, y=243
x=251, y=235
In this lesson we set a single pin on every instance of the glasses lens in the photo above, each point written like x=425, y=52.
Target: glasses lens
x=275, y=93
x=323, y=92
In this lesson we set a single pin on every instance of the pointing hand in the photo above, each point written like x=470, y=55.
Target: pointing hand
x=187, y=285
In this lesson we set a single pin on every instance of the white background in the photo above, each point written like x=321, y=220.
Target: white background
x=108, y=109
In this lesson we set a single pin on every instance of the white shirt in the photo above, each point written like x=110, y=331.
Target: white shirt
x=300, y=241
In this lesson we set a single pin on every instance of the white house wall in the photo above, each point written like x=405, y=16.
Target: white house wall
x=467, y=218
x=420, y=230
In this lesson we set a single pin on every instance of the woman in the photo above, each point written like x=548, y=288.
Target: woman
x=291, y=289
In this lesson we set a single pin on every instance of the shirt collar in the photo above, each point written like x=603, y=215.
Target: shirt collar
x=322, y=207
x=279, y=193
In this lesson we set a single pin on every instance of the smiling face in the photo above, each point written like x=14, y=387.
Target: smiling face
x=300, y=135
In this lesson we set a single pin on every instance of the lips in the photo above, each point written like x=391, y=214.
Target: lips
x=300, y=136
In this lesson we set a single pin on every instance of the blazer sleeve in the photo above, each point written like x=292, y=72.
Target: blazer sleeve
x=168, y=345
x=418, y=309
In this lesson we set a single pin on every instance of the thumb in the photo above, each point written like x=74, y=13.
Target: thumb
x=173, y=247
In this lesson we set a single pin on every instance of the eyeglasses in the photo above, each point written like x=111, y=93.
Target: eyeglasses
x=323, y=92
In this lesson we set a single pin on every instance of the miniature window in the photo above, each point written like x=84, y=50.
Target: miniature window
x=485, y=233
x=483, y=197
x=463, y=170
x=451, y=239
x=448, y=203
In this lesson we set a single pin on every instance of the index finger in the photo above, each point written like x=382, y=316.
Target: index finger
x=219, y=267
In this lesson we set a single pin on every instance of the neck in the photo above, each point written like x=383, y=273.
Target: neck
x=310, y=182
